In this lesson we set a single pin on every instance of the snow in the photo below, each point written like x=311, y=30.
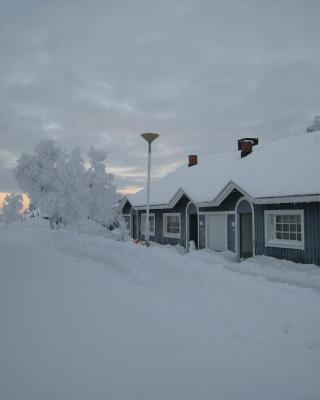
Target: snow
x=85, y=317
x=284, y=167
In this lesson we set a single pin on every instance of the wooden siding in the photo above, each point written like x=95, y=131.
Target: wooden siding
x=231, y=232
x=202, y=232
x=228, y=204
x=311, y=253
x=126, y=208
x=180, y=207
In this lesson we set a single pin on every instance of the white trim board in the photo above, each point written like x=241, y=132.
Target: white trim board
x=288, y=199
x=280, y=243
x=215, y=212
x=187, y=225
x=237, y=227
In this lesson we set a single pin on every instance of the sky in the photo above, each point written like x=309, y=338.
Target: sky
x=200, y=73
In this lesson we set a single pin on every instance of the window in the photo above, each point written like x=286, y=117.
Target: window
x=172, y=225
x=284, y=228
x=151, y=224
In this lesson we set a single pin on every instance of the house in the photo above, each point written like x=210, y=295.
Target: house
x=263, y=199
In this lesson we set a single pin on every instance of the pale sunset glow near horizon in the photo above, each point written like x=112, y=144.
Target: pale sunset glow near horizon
x=26, y=200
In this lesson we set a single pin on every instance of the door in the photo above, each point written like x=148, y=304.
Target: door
x=246, y=249
x=193, y=228
x=217, y=232
x=134, y=227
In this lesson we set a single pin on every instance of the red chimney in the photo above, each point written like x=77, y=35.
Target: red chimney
x=193, y=160
x=246, y=144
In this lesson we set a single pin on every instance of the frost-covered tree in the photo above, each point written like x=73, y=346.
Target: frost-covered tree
x=39, y=175
x=12, y=207
x=102, y=195
x=315, y=124
x=65, y=188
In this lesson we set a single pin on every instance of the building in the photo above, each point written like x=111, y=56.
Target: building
x=261, y=199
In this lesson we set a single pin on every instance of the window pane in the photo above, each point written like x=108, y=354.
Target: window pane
x=286, y=218
x=293, y=218
x=285, y=227
x=293, y=227
x=172, y=224
x=293, y=236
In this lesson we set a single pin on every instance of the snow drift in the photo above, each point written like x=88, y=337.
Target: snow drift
x=84, y=317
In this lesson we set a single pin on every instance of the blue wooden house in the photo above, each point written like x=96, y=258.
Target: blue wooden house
x=263, y=199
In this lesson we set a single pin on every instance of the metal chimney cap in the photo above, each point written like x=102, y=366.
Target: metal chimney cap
x=149, y=136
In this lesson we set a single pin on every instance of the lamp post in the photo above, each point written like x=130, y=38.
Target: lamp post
x=149, y=137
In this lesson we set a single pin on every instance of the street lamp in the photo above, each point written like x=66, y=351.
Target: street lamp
x=149, y=137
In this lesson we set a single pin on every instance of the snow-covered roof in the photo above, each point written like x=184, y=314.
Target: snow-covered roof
x=283, y=167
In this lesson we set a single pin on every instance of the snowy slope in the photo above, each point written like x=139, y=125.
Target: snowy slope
x=283, y=167
x=83, y=317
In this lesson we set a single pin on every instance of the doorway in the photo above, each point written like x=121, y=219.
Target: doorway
x=134, y=226
x=245, y=229
x=217, y=232
x=193, y=229
x=246, y=248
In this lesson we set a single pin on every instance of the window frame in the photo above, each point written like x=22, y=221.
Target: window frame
x=282, y=243
x=142, y=228
x=165, y=223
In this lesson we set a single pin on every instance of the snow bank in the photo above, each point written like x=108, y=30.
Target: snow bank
x=84, y=317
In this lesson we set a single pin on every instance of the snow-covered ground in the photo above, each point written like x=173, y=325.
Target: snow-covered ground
x=84, y=317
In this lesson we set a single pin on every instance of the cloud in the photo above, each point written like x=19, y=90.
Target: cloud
x=200, y=73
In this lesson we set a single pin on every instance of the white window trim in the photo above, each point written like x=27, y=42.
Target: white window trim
x=285, y=244
x=153, y=232
x=168, y=234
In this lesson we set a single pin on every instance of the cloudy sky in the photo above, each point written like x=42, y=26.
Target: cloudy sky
x=200, y=73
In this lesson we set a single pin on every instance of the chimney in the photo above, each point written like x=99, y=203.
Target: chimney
x=246, y=144
x=193, y=160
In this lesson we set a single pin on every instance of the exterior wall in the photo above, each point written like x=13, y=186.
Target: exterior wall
x=311, y=252
x=126, y=215
x=126, y=208
x=180, y=207
x=202, y=231
x=231, y=232
x=228, y=204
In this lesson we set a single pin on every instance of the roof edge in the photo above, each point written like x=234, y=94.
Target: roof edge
x=304, y=198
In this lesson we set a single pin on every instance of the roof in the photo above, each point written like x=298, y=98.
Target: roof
x=283, y=167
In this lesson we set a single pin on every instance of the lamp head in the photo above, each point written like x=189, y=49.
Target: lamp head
x=149, y=137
